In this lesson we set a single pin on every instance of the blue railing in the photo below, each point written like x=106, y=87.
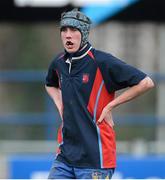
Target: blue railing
x=22, y=76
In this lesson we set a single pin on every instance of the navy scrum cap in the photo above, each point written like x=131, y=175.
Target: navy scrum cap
x=77, y=20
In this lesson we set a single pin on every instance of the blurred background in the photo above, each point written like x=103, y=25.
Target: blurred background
x=132, y=30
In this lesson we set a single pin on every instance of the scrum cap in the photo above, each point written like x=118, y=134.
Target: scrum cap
x=77, y=20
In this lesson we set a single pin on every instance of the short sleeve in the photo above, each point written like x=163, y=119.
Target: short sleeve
x=52, y=79
x=119, y=75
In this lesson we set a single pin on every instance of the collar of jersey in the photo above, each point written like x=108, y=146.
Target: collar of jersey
x=80, y=54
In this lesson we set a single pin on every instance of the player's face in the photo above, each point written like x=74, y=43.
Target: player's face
x=71, y=39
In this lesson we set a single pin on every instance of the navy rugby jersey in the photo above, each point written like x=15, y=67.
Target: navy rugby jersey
x=88, y=80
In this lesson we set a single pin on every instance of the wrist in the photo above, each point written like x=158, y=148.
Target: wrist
x=111, y=106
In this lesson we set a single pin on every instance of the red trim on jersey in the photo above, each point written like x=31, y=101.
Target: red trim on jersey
x=95, y=89
x=91, y=54
x=59, y=138
x=107, y=134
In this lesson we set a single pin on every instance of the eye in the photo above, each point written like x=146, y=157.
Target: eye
x=63, y=29
x=73, y=29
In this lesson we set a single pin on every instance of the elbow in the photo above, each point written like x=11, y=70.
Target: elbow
x=46, y=87
x=150, y=83
x=147, y=83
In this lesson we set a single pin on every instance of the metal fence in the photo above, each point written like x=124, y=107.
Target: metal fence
x=46, y=118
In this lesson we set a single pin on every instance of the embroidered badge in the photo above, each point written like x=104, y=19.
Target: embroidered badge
x=85, y=78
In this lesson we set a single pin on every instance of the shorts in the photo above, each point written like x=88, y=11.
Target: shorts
x=60, y=170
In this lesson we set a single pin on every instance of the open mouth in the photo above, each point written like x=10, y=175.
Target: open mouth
x=68, y=43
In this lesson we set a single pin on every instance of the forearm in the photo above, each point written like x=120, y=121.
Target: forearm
x=55, y=94
x=132, y=93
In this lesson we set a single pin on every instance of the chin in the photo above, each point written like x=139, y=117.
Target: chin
x=71, y=50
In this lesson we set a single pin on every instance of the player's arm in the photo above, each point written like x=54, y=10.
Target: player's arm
x=131, y=93
x=52, y=86
x=55, y=94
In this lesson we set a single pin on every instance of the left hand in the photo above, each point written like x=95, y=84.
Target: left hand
x=107, y=116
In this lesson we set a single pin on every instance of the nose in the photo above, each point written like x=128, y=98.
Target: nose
x=68, y=34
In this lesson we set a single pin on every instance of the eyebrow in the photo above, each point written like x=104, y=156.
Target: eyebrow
x=71, y=27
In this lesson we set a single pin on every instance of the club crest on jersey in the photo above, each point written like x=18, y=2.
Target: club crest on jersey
x=85, y=78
